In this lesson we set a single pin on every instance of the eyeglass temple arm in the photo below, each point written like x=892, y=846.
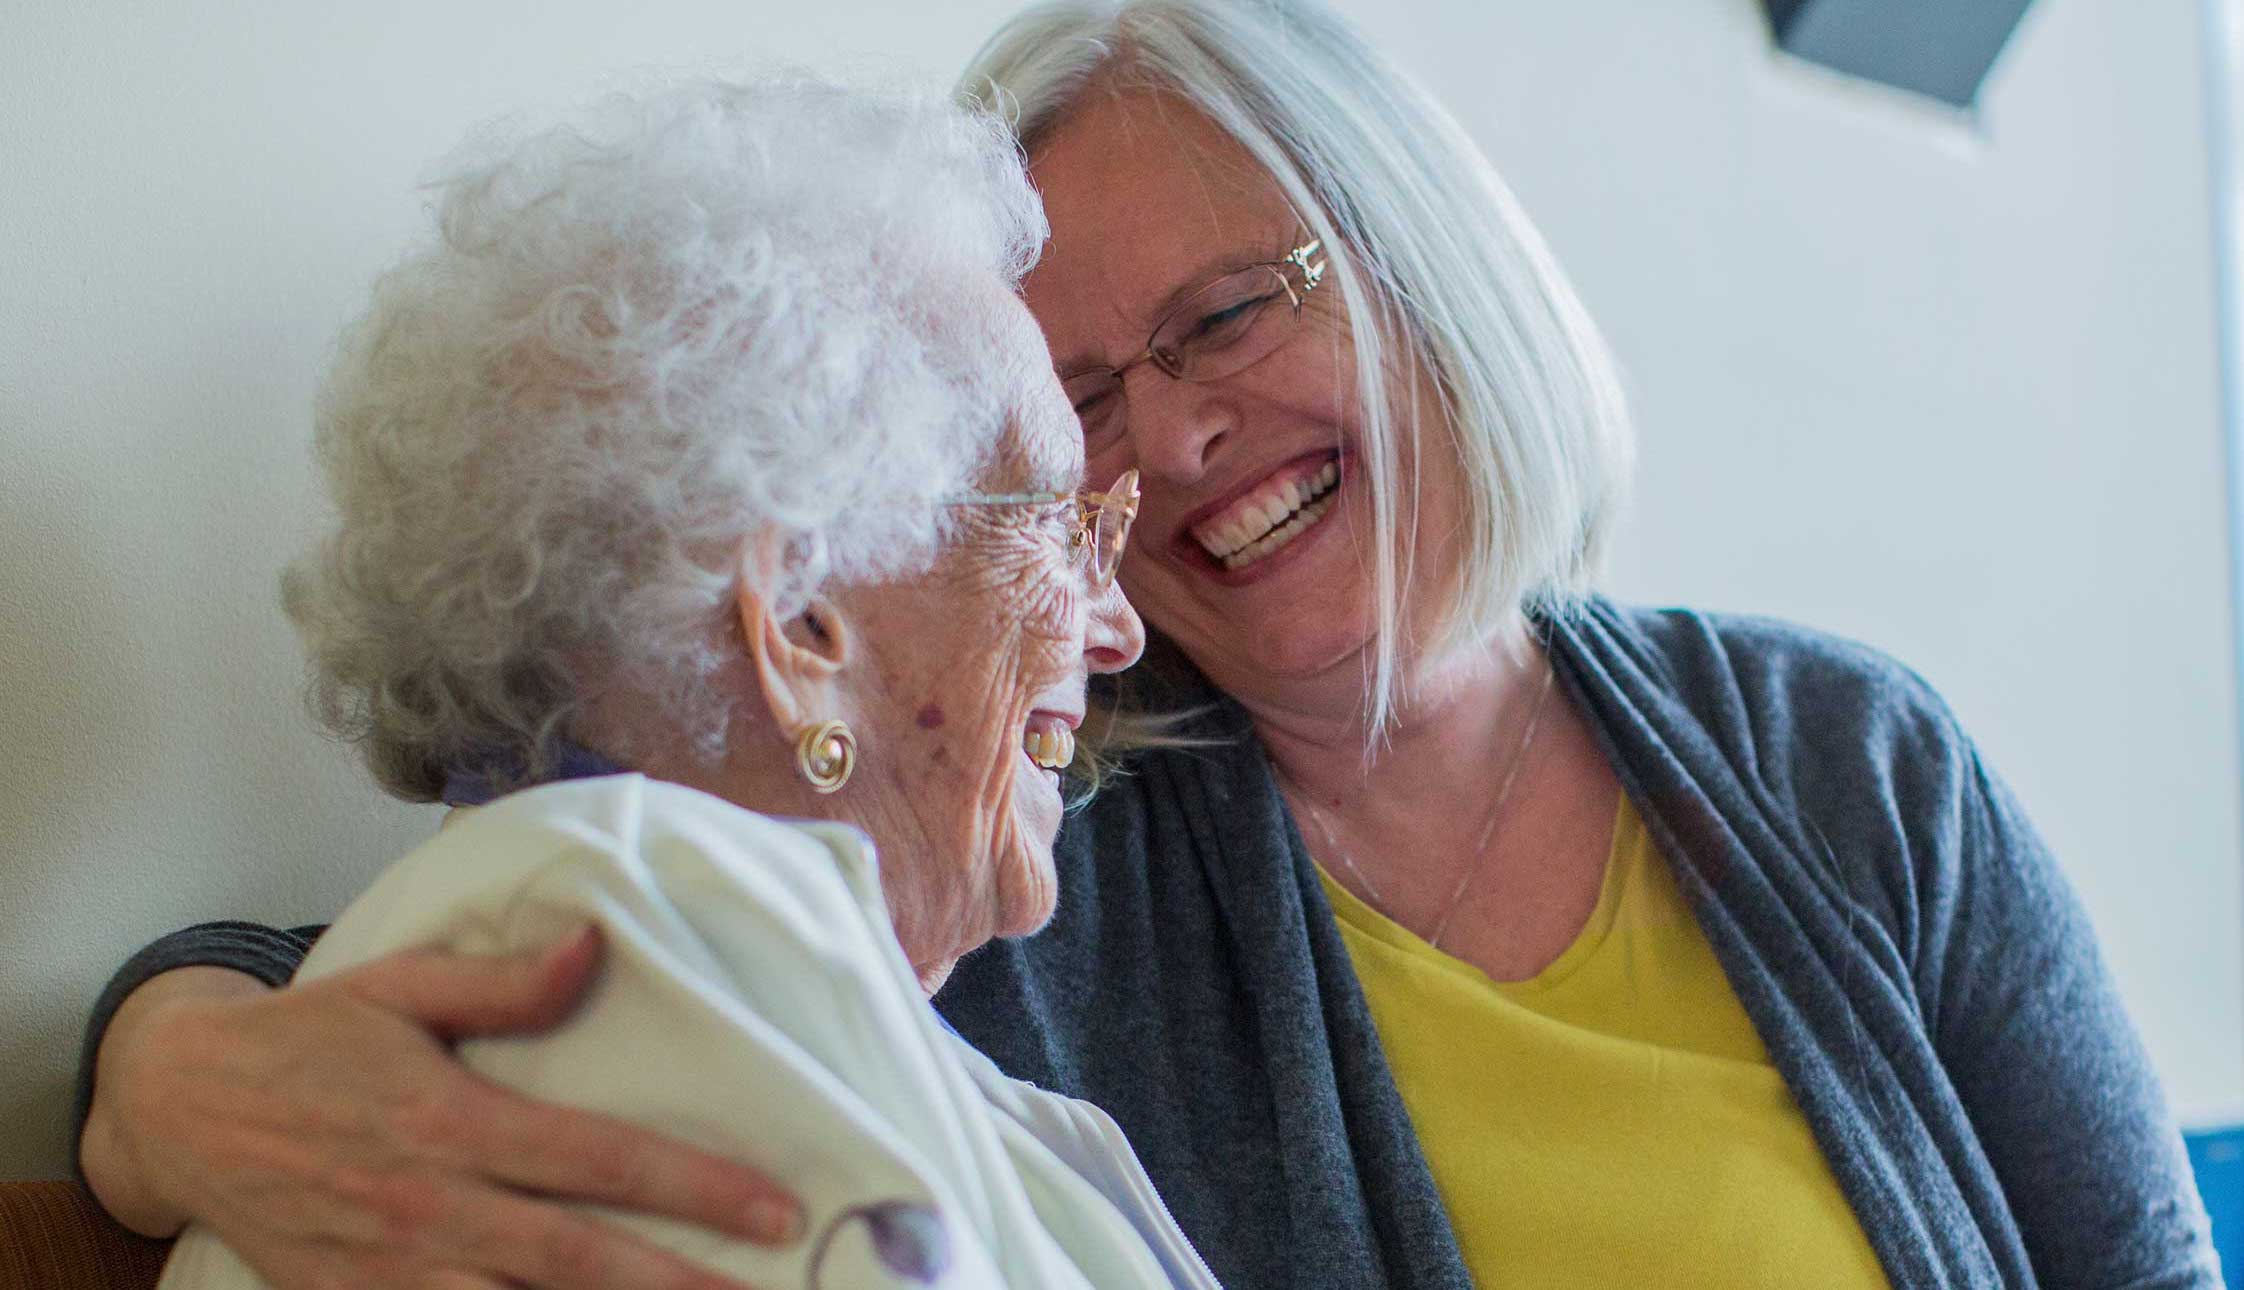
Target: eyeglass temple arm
x=1007, y=499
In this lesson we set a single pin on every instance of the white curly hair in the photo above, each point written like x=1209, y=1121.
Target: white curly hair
x=697, y=318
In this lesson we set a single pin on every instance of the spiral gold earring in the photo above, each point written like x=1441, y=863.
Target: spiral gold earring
x=826, y=754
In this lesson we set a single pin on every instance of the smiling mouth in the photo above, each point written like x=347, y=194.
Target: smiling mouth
x=1048, y=742
x=1270, y=516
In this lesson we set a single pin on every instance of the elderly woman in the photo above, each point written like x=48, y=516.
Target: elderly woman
x=711, y=440
x=1482, y=931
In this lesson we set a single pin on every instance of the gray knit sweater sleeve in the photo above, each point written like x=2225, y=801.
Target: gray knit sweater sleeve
x=2031, y=1029
x=1957, y=910
x=270, y=954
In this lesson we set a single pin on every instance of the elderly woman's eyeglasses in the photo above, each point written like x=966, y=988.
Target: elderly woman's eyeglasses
x=1219, y=330
x=1101, y=523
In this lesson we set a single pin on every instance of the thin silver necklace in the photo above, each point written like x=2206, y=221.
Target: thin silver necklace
x=1473, y=864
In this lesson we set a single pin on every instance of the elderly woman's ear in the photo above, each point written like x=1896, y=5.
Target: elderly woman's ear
x=798, y=652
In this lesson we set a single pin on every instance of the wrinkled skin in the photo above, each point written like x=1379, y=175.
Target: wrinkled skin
x=943, y=672
x=327, y=1134
x=1148, y=199
x=1140, y=207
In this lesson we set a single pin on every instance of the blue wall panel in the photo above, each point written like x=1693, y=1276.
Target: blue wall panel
x=2218, y=1158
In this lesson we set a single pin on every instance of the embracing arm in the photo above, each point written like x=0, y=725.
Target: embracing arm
x=328, y=1130
x=755, y=1001
x=2031, y=1029
x=210, y=961
x=110, y=1157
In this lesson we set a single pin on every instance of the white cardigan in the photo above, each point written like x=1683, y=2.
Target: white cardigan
x=754, y=1001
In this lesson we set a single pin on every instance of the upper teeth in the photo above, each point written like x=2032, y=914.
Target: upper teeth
x=1269, y=518
x=1052, y=749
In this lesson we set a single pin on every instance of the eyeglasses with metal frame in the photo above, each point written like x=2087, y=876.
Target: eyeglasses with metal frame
x=1101, y=523
x=1219, y=329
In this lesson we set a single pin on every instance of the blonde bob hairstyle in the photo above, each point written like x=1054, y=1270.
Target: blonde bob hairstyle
x=1431, y=248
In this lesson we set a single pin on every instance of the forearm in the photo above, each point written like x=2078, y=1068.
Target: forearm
x=257, y=1116
x=262, y=955
x=132, y=1039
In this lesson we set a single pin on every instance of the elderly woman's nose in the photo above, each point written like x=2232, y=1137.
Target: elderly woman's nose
x=1114, y=637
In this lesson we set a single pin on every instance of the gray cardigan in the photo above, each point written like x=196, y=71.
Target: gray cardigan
x=1913, y=960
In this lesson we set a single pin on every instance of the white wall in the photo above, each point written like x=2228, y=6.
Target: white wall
x=1949, y=387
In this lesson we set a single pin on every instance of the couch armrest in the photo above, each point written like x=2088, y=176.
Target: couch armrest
x=55, y=1236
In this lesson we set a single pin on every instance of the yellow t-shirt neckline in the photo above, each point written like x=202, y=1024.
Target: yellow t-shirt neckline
x=1614, y=1119
x=1360, y=917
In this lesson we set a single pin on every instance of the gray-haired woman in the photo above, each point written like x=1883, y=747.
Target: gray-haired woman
x=711, y=440
x=1505, y=935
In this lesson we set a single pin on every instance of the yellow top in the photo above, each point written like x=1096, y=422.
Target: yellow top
x=1614, y=1121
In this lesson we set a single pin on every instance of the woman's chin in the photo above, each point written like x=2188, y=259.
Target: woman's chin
x=1307, y=624
x=1035, y=918
x=1305, y=646
x=1026, y=902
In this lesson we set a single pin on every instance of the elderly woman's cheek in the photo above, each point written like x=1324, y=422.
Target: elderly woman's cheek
x=1053, y=606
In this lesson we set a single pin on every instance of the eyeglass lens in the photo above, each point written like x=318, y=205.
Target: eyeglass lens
x=1218, y=331
x=1110, y=529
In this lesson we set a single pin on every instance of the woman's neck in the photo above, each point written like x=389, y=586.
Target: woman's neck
x=1457, y=722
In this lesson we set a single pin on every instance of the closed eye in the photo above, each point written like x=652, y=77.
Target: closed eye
x=1217, y=329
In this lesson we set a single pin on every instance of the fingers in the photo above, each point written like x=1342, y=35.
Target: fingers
x=539, y=1244
x=482, y=994
x=448, y=1280
x=583, y=1156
